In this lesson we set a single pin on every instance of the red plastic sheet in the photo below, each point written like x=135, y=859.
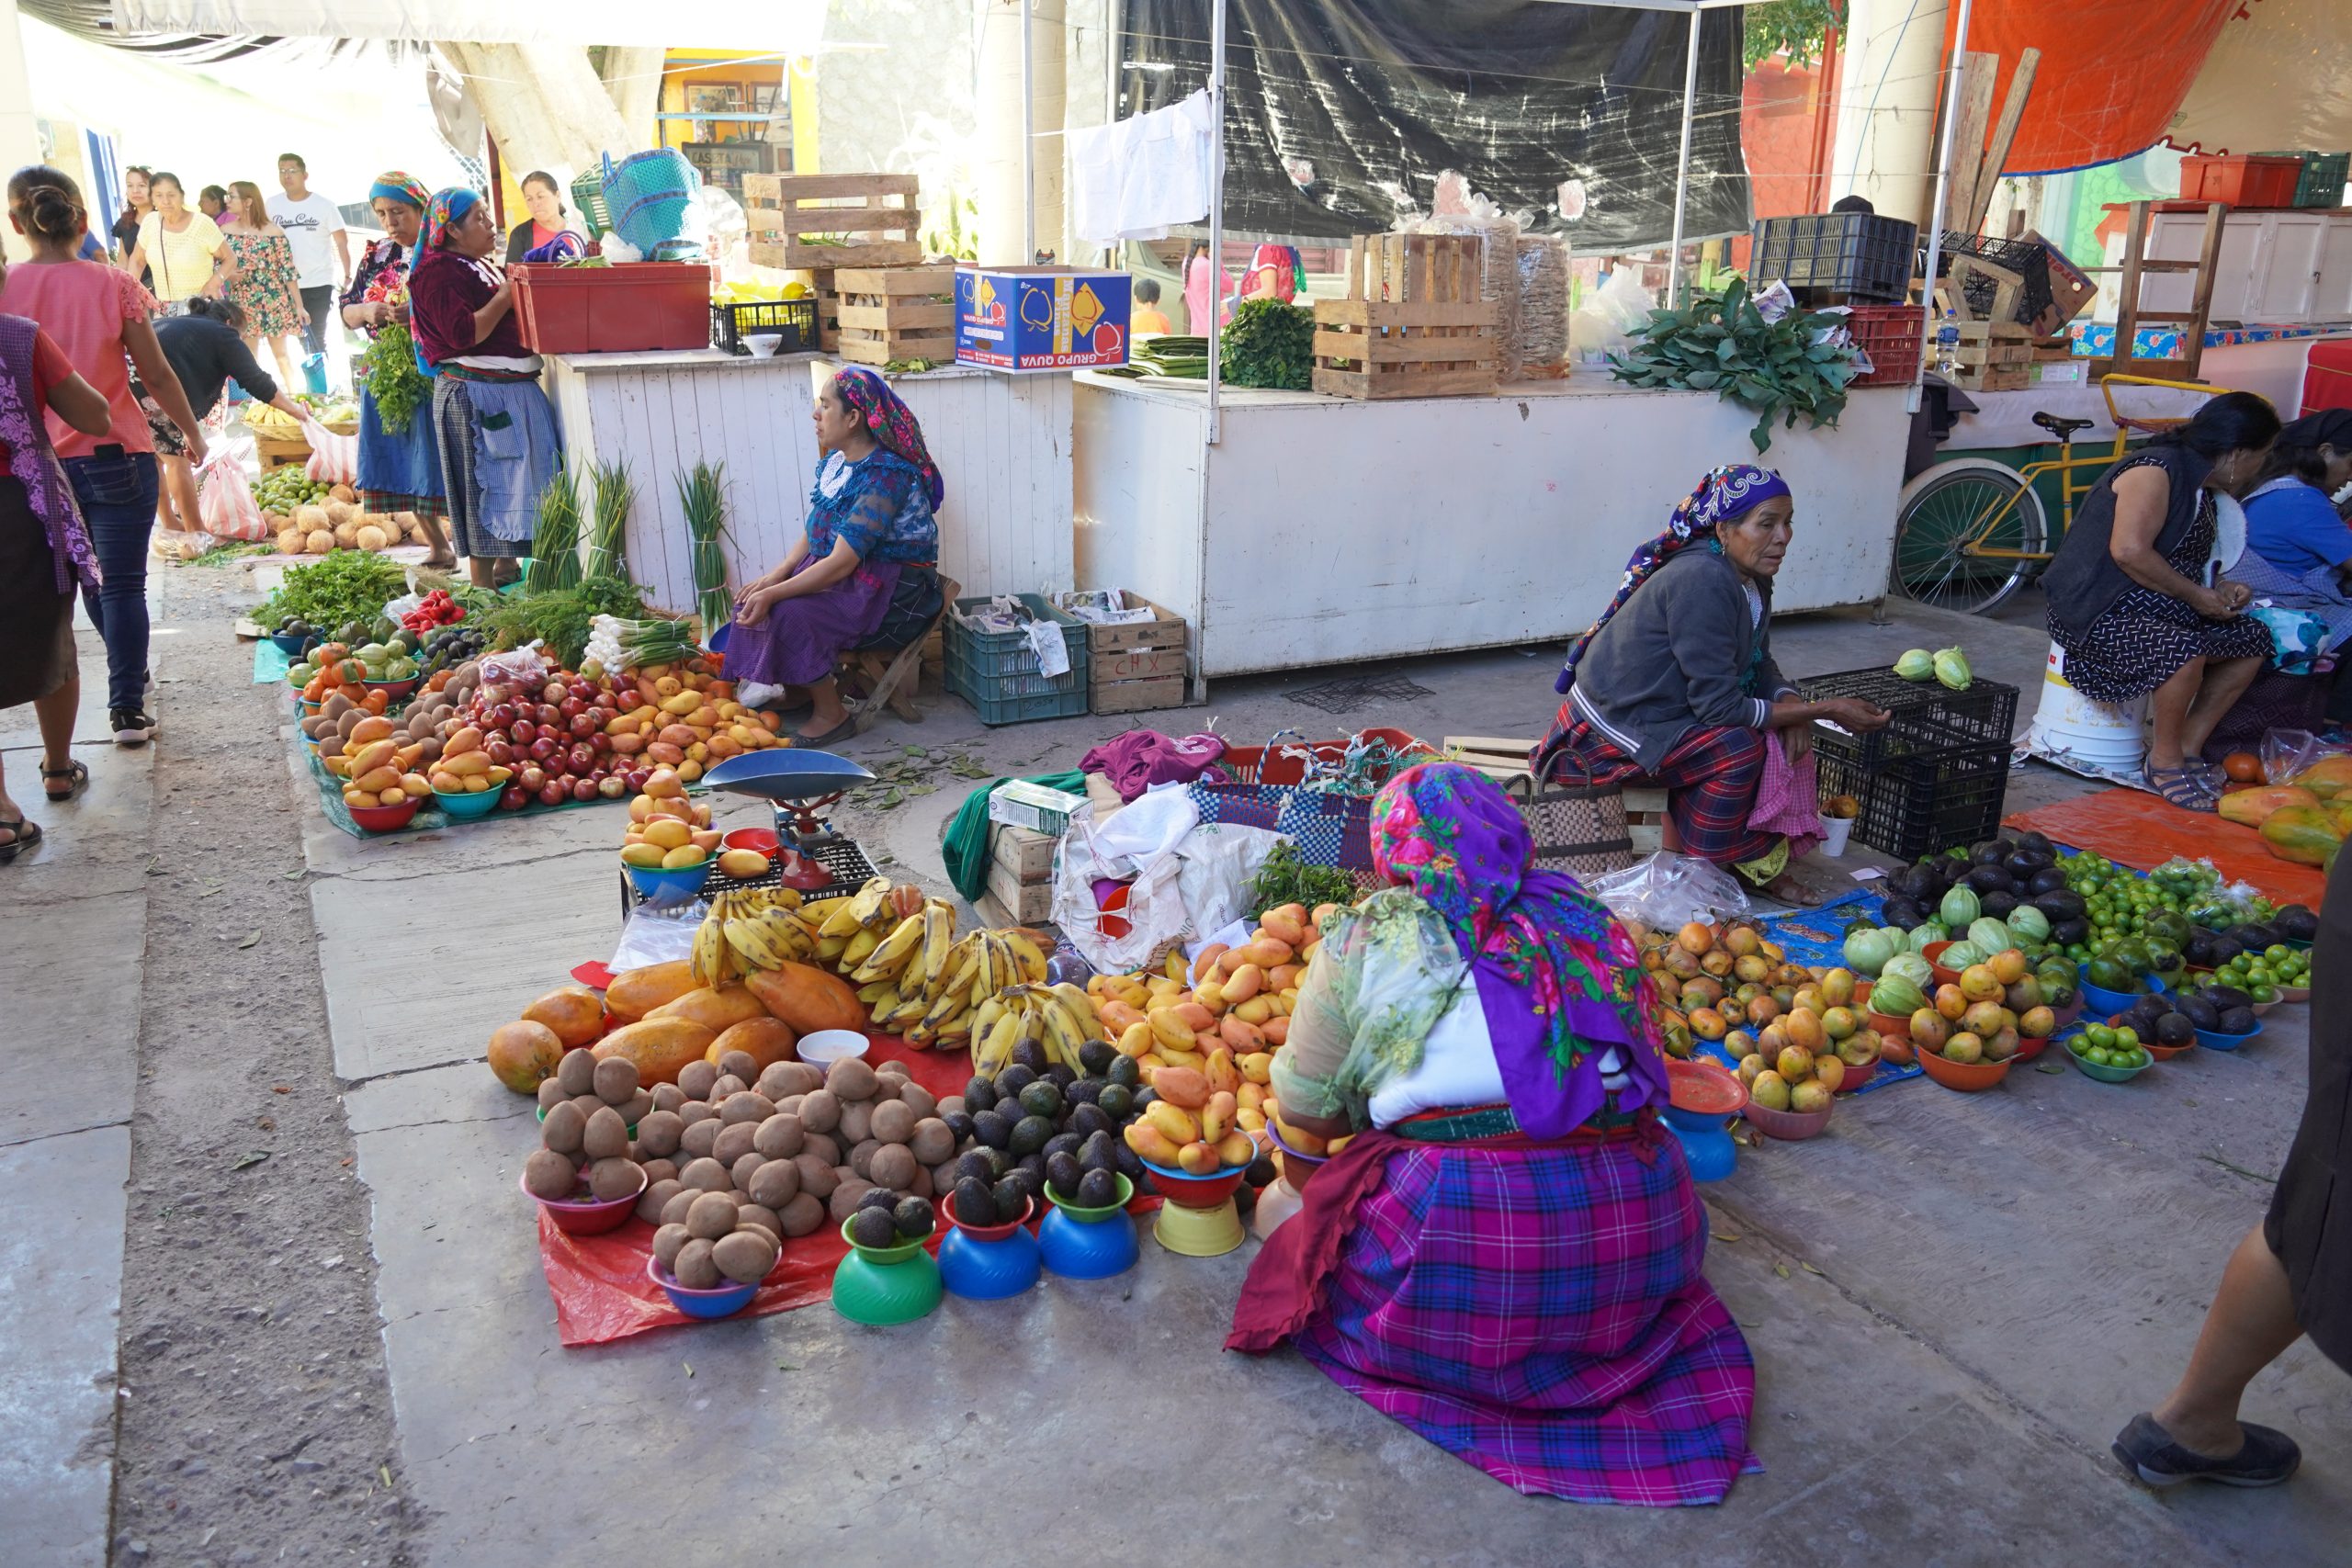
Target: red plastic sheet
x=601, y=1289
x=2140, y=830
x=2113, y=72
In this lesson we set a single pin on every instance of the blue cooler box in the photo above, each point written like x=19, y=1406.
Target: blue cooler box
x=1041, y=318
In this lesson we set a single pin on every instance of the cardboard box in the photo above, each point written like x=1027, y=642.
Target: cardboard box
x=1041, y=810
x=1041, y=318
x=1027, y=902
x=1030, y=855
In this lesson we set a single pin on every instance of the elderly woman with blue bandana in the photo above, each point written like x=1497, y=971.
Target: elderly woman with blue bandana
x=500, y=444
x=399, y=461
x=1676, y=683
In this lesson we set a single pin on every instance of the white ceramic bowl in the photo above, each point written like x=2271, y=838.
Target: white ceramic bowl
x=827, y=1046
x=764, y=344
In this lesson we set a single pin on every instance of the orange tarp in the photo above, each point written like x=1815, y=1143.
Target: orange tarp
x=2142, y=831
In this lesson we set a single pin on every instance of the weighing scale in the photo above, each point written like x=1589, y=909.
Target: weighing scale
x=802, y=786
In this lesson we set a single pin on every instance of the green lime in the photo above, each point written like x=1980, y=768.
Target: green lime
x=2265, y=992
x=2127, y=1036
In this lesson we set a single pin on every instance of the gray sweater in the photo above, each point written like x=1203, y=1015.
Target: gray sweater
x=1672, y=660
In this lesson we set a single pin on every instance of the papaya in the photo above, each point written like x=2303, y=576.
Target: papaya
x=635, y=992
x=765, y=1039
x=714, y=1009
x=524, y=1054
x=807, y=997
x=659, y=1047
x=2306, y=835
x=572, y=1011
x=2250, y=806
x=2328, y=777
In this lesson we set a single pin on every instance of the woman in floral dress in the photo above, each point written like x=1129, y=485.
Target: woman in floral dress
x=268, y=287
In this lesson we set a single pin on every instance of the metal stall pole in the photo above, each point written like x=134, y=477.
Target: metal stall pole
x=1683, y=164
x=1944, y=192
x=1217, y=211
x=1028, y=135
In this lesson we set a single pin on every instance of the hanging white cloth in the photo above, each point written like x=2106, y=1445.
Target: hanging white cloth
x=1131, y=179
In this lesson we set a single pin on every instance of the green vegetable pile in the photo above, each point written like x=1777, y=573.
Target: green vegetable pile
x=1178, y=357
x=397, y=385
x=560, y=619
x=1722, y=344
x=283, y=489
x=1285, y=879
x=1268, y=344
x=350, y=585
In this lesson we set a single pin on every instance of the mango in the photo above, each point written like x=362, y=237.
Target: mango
x=1216, y=1117
x=1197, y=1158
x=1175, y=1123
x=1182, y=1087
x=1222, y=1073
x=683, y=857
x=1151, y=1144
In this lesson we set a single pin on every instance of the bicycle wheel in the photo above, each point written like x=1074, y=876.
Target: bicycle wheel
x=1946, y=509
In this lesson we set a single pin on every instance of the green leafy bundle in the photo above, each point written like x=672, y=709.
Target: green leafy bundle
x=608, y=537
x=350, y=585
x=1268, y=344
x=555, y=539
x=702, y=496
x=399, y=388
x=1722, y=344
x=1285, y=879
x=560, y=619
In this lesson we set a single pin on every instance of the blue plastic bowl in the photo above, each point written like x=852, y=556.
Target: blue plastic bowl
x=466, y=806
x=289, y=645
x=670, y=886
x=2214, y=1040
x=724, y=1302
x=2108, y=1001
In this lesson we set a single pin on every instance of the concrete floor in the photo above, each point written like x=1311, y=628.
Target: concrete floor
x=1954, y=1301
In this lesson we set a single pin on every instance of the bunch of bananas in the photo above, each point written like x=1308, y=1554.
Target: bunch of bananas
x=926, y=984
x=749, y=929
x=1060, y=1017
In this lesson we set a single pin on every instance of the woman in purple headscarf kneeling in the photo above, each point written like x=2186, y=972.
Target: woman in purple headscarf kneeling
x=1505, y=1257
x=862, y=574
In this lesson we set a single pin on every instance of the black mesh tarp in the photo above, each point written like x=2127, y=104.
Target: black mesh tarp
x=1342, y=113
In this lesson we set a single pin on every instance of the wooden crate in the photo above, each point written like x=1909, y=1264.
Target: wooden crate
x=1140, y=666
x=1027, y=902
x=891, y=313
x=1028, y=853
x=1415, y=322
x=876, y=216
x=280, y=451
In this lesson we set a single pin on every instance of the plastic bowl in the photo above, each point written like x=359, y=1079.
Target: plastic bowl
x=762, y=346
x=725, y=1301
x=826, y=1046
x=2214, y=1040
x=2068, y=1015
x=587, y=1216
x=1695, y=1081
x=1945, y=973
x=395, y=690
x=898, y=1253
x=1181, y=1187
x=2294, y=993
x=1092, y=1216
x=2106, y=1001
x=1856, y=1077
x=1886, y=1024
x=384, y=818
x=760, y=841
x=989, y=1233
x=1968, y=1077
x=2110, y=1075
x=466, y=806
x=670, y=886
x=289, y=644
x=1790, y=1126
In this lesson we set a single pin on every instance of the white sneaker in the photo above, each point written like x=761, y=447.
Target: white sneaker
x=758, y=694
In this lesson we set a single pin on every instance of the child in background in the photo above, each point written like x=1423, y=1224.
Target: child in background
x=1148, y=320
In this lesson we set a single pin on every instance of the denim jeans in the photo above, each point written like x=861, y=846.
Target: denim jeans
x=117, y=496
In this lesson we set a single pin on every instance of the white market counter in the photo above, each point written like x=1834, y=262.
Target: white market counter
x=1003, y=444
x=1323, y=530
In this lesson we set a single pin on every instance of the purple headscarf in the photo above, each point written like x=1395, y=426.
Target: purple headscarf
x=891, y=424
x=1559, y=979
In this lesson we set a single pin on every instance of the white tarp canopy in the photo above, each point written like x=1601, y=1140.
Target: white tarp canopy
x=581, y=22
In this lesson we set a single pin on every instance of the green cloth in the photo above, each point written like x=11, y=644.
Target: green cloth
x=966, y=848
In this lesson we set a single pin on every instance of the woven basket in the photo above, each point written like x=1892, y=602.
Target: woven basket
x=1580, y=826
x=648, y=196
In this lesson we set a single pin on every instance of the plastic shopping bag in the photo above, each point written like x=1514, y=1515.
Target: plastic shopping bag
x=335, y=459
x=224, y=500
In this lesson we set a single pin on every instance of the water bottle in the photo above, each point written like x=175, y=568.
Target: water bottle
x=1948, y=348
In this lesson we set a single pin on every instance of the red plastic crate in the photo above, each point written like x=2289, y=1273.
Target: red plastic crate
x=1892, y=336
x=629, y=308
x=1268, y=765
x=2242, y=179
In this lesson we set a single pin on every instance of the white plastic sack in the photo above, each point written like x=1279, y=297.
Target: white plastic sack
x=1220, y=860
x=1177, y=894
x=1605, y=323
x=335, y=459
x=224, y=499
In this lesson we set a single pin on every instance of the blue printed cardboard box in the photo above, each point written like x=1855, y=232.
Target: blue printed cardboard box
x=1041, y=318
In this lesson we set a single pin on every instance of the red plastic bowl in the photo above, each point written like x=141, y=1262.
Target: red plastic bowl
x=1945, y=976
x=1968, y=1077
x=588, y=1216
x=760, y=841
x=987, y=1233
x=1790, y=1126
x=1691, y=1081
x=384, y=818
x=1856, y=1077
x=1887, y=1024
x=1191, y=1191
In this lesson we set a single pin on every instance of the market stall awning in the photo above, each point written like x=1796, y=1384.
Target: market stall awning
x=2279, y=76
x=581, y=22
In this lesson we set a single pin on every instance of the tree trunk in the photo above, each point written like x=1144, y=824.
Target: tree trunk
x=633, y=78
x=546, y=107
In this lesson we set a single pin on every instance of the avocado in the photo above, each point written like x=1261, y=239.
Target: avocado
x=1117, y=1100
x=1096, y=1057
x=1144, y=1095
x=1031, y=1165
x=1088, y=1120
x=1029, y=1134
x=2238, y=1020
x=872, y=1227
x=2046, y=881
x=960, y=1124
x=1061, y=1076
x=993, y=1129
x=1130, y=1165
x=2201, y=1012
x=879, y=1198
x=2226, y=996
x=1042, y=1098
x=974, y=1165
x=1013, y=1079
x=1062, y=1172
x=913, y=1216
x=2175, y=1029
x=1061, y=1144
x=1000, y=1164
x=974, y=1203
x=1126, y=1072
x=1030, y=1054
x=1991, y=852
x=1988, y=879
x=1099, y=1152
x=980, y=1095
x=1997, y=904
x=1010, y=1200
x=1029, y=1179
x=2296, y=922
x=1097, y=1189
x=2070, y=933
x=1261, y=1172
x=1085, y=1091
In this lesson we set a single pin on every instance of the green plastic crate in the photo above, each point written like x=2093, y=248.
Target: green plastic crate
x=2322, y=181
x=997, y=672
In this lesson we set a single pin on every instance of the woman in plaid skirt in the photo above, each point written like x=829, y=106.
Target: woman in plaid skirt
x=1675, y=684
x=1505, y=1254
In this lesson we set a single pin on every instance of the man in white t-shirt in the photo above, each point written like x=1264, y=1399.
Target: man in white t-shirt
x=310, y=222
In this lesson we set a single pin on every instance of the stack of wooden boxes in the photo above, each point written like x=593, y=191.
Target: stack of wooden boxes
x=1416, y=323
x=821, y=224
x=1137, y=666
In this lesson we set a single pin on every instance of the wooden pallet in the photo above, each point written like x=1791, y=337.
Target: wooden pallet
x=1414, y=324
x=892, y=313
x=875, y=214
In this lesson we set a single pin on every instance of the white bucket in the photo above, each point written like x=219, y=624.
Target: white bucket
x=2096, y=733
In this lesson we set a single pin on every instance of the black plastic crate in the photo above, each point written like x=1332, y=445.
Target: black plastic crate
x=2030, y=259
x=1926, y=802
x=842, y=857
x=1928, y=718
x=1859, y=255
x=795, y=321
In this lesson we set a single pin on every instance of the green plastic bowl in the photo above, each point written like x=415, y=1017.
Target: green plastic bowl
x=1092, y=1216
x=886, y=1255
x=2107, y=1075
x=467, y=804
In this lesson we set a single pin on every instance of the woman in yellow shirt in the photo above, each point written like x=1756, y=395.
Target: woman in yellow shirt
x=184, y=251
